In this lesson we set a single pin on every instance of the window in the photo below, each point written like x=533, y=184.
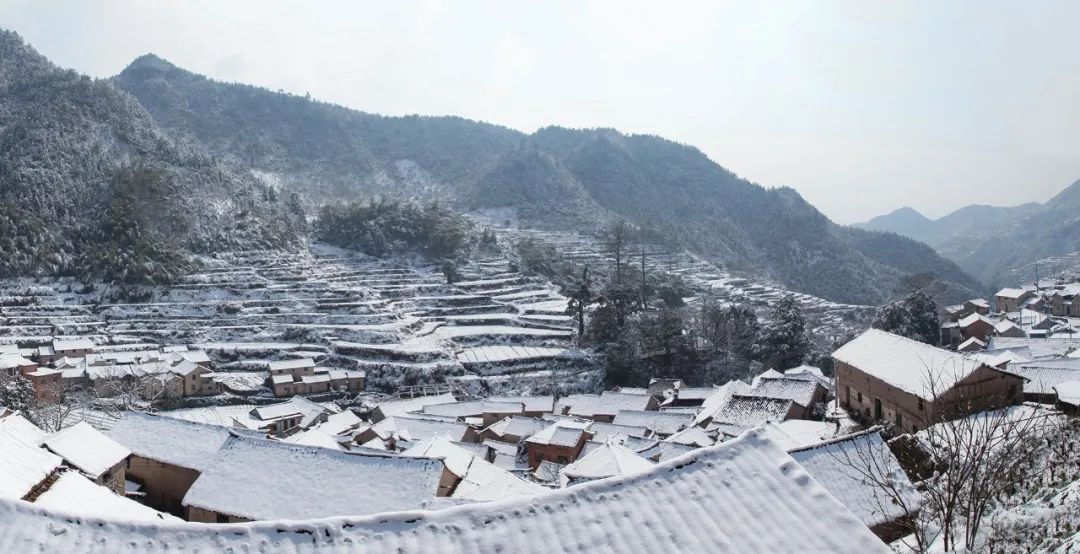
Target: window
x=222, y=518
x=898, y=421
x=920, y=405
x=914, y=428
x=860, y=398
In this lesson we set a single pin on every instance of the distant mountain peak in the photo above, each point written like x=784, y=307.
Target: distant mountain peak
x=150, y=62
x=1070, y=197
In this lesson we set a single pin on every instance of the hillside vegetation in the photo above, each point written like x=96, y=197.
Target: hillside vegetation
x=91, y=186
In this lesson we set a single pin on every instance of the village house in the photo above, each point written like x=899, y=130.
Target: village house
x=806, y=394
x=972, y=344
x=560, y=442
x=1063, y=302
x=1010, y=300
x=976, y=326
x=70, y=348
x=257, y=479
x=300, y=376
x=514, y=429
x=885, y=377
x=88, y=450
x=167, y=455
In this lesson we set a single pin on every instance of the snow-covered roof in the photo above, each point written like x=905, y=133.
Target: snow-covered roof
x=1011, y=293
x=766, y=501
x=909, y=365
x=170, y=440
x=607, y=403
x=558, y=434
x=480, y=479
x=1043, y=377
x=663, y=451
x=18, y=426
x=661, y=423
x=287, y=365
x=87, y=449
x=767, y=374
x=518, y=426
x=455, y=409
x=692, y=436
x=806, y=432
x=1006, y=326
x=972, y=343
x=1068, y=392
x=746, y=412
x=719, y=399
x=398, y=407
x=23, y=464
x=607, y=460
x=262, y=479
x=72, y=344
x=602, y=431
x=74, y=494
x=418, y=429
x=849, y=466
x=1053, y=347
x=808, y=372
x=315, y=437
x=295, y=406
x=531, y=403
x=974, y=318
x=12, y=361
x=798, y=390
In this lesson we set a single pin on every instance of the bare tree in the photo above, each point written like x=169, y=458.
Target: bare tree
x=871, y=463
x=53, y=406
x=128, y=390
x=615, y=239
x=974, y=462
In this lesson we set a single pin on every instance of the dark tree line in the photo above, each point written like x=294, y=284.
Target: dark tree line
x=385, y=227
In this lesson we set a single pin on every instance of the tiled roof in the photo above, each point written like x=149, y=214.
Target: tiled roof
x=746, y=495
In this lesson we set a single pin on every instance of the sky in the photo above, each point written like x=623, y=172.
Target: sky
x=862, y=107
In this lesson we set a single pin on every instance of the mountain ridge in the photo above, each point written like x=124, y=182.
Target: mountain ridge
x=996, y=243
x=554, y=178
x=90, y=186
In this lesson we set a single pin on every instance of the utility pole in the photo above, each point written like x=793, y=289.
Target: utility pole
x=643, y=303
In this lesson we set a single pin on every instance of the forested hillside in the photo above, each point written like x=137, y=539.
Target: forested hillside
x=90, y=186
x=554, y=178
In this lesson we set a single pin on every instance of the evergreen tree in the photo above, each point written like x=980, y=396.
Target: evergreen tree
x=579, y=300
x=17, y=394
x=784, y=342
x=915, y=316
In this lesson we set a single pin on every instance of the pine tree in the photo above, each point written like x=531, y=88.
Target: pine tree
x=784, y=342
x=17, y=394
x=580, y=298
x=915, y=316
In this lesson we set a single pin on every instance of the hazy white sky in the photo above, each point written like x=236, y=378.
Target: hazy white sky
x=861, y=106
